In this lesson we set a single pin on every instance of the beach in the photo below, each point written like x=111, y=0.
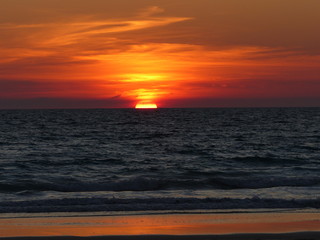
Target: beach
x=260, y=225
x=288, y=236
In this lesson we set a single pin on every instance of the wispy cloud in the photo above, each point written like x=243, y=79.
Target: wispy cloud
x=150, y=11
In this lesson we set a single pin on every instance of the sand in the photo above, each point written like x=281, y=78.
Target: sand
x=291, y=225
x=288, y=236
x=285, y=236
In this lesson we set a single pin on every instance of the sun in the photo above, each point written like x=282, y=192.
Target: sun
x=146, y=106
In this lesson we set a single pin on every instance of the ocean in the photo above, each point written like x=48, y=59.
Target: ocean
x=122, y=160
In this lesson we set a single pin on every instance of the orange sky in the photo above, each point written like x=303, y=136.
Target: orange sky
x=190, y=53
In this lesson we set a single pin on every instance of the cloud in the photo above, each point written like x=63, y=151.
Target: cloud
x=63, y=103
x=150, y=11
x=158, y=49
x=66, y=33
x=234, y=102
x=64, y=42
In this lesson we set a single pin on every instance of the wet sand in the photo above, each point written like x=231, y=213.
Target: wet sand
x=285, y=236
x=281, y=225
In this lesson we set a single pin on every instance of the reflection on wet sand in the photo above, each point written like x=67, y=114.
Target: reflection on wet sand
x=170, y=224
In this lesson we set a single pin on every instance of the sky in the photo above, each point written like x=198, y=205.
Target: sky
x=173, y=53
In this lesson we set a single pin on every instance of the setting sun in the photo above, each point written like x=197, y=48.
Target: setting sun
x=146, y=105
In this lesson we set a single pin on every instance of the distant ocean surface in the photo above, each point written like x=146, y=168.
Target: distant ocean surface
x=159, y=159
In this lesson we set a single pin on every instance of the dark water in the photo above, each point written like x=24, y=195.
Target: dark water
x=163, y=159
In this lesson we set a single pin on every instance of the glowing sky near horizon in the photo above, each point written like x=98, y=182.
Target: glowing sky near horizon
x=174, y=53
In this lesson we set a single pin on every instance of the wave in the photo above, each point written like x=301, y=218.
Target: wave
x=148, y=204
x=73, y=185
x=142, y=183
x=252, y=182
x=267, y=160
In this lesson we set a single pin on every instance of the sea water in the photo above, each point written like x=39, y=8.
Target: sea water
x=159, y=159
